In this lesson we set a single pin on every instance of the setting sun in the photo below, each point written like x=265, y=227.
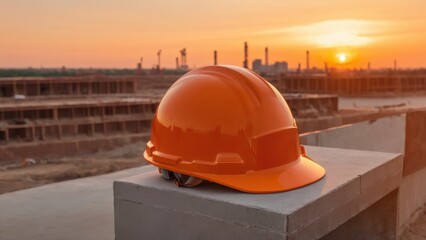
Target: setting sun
x=342, y=57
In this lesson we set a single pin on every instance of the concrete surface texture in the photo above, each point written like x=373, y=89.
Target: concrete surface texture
x=76, y=209
x=149, y=207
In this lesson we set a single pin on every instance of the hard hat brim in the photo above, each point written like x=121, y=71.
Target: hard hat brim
x=278, y=179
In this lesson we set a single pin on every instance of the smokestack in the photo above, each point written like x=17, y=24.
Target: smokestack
x=159, y=59
x=215, y=57
x=307, y=61
x=245, y=63
x=325, y=67
x=177, y=63
x=368, y=66
x=299, y=68
x=395, y=65
x=266, y=57
x=183, y=56
x=139, y=69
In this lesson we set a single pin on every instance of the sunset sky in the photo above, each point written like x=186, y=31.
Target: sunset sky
x=116, y=33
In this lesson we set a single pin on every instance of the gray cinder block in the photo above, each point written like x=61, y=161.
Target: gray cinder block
x=149, y=207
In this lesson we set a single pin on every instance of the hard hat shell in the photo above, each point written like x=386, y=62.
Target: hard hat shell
x=228, y=125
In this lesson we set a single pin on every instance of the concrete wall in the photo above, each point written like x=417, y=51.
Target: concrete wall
x=411, y=198
x=306, y=125
x=377, y=222
x=381, y=135
x=404, y=133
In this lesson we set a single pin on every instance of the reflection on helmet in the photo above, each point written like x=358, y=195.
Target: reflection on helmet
x=228, y=125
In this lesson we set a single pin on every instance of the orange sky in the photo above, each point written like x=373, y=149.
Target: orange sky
x=112, y=33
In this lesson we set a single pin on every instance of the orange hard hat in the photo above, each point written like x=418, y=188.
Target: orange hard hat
x=228, y=125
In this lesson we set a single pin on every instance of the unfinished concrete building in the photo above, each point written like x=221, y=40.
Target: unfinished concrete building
x=64, y=116
x=71, y=86
x=353, y=85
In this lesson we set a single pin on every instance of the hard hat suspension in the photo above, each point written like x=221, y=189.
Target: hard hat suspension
x=181, y=180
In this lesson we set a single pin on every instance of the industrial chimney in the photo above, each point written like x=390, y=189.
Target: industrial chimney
x=245, y=62
x=307, y=61
x=266, y=57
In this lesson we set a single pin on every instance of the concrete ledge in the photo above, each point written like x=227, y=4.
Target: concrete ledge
x=148, y=207
x=67, y=147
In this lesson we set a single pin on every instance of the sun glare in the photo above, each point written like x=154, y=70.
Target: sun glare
x=342, y=57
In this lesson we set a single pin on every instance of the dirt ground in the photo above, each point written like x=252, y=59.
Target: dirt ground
x=18, y=176
x=417, y=230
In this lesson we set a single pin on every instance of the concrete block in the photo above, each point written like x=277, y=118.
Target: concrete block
x=364, y=193
x=149, y=207
x=403, y=133
x=389, y=177
x=185, y=225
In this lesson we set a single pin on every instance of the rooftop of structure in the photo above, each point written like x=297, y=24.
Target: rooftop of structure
x=65, y=102
x=66, y=78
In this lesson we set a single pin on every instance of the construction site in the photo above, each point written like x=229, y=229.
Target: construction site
x=60, y=128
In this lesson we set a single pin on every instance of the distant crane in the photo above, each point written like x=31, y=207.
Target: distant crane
x=215, y=57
